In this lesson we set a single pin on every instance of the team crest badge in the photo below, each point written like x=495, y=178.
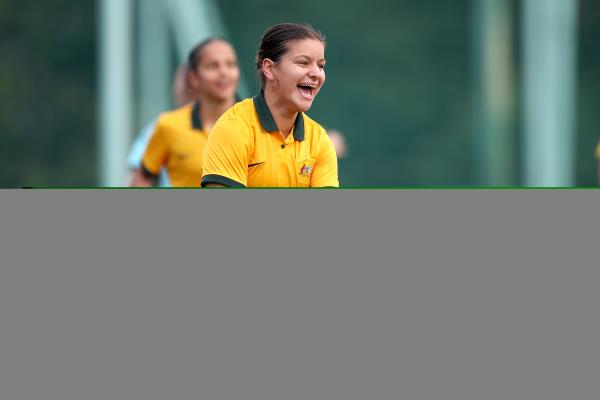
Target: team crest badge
x=306, y=170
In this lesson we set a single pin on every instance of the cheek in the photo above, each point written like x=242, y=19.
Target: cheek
x=211, y=76
x=235, y=74
x=296, y=75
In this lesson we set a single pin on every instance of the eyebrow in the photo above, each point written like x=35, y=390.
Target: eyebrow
x=308, y=57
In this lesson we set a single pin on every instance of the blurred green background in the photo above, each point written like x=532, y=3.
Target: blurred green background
x=402, y=85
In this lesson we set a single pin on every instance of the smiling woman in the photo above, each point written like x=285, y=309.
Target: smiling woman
x=268, y=141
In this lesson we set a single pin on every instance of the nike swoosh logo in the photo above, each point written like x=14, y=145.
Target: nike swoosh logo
x=254, y=165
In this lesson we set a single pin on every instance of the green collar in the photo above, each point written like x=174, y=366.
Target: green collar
x=267, y=121
x=196, y=121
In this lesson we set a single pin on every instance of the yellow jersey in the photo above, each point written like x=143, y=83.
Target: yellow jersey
x=246, y=149
x=177, y=144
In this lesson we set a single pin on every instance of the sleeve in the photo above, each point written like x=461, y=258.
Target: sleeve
x=138, y=147
x=325, y=173
x=156, y=154
x=226, y=154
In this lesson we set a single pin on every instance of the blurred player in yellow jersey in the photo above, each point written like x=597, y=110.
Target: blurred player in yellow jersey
x=179, y=136
x=182, y=94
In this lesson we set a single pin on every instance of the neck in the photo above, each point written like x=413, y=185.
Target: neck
x=284, y=118
x=211, y=110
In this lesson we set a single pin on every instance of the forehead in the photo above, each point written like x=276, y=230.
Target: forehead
x=307, y=47
x=216, y=49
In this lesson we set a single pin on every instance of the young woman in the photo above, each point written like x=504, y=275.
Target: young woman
x=268, y=141
x=182, y=94
x=180, y=136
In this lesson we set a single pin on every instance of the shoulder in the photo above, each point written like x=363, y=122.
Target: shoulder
x=239, y=116
x=314, y=132
x=242, y=111
x=312, y=126
x=175, y=117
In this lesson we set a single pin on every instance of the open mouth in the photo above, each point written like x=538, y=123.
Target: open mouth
x=308, y=90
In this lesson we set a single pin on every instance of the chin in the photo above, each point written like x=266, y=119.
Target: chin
x=224, y=96
x=303, y=106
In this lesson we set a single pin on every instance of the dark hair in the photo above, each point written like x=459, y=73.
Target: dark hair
x=195, y=54
x=274, y=42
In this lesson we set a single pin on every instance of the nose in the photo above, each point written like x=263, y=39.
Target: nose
x=222, y=69
x=316, y=72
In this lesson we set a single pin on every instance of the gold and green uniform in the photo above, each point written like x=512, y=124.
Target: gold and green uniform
x=177, y=144
x=246, y=149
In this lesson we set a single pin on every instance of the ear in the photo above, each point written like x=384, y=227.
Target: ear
x=192, y=81
x=268, y=69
